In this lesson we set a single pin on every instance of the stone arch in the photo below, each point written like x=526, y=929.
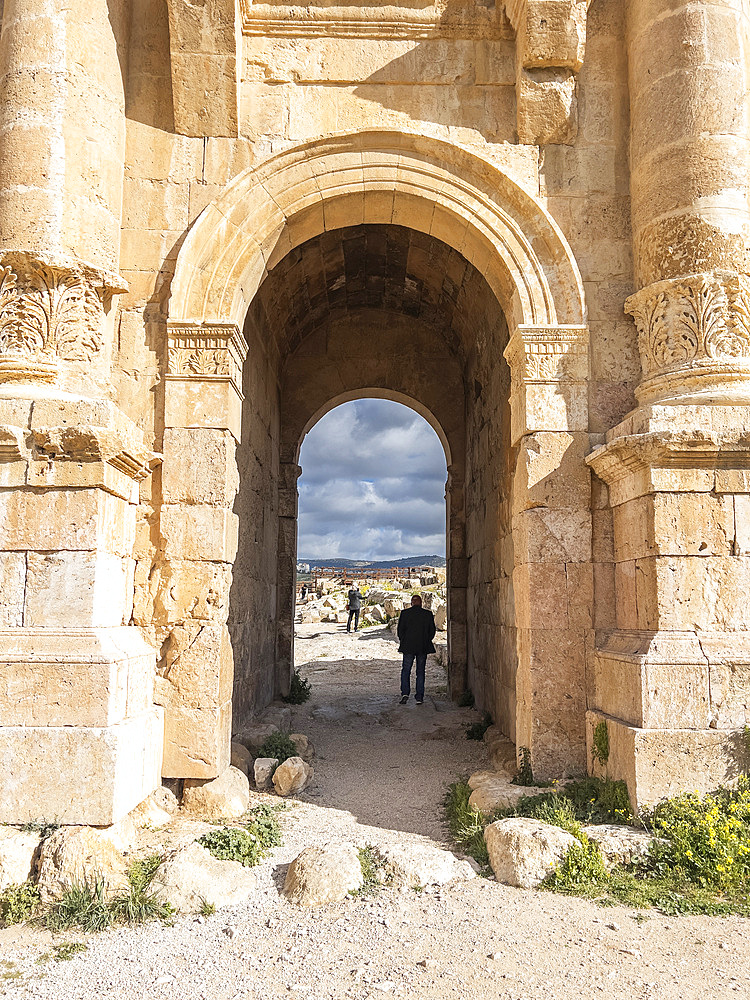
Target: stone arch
x=446, y=192
x=377, y=177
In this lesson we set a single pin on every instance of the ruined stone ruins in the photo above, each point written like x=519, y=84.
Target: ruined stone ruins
x=528, y=220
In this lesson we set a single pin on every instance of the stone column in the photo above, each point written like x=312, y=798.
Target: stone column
x=289, y=473
x=551, y=526
x=671, y=681
x=80, y=737
x=203, y=408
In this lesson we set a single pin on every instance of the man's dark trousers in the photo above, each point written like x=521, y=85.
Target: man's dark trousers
x=407, y=662
x=355, y=615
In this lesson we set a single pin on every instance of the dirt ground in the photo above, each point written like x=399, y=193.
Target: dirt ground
x=380, y=775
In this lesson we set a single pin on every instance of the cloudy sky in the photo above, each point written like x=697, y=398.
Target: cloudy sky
x=372, y=484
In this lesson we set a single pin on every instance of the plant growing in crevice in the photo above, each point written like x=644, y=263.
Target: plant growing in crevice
x=476, y=730
x=600, y=743
x=299, y=690
x=375, y=873
x=525, y=774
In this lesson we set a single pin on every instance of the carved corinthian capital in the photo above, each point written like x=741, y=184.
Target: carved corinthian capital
x=48, y=314
x=207, y=352
x=694, y=338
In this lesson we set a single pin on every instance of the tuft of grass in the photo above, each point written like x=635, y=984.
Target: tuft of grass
x=44, y=827
x=18, y=903
x=278, y=745
x=600, y=748
x=207, y=909
x=65, y=951
x=299, y=690
x=465, y=823
x=83, y=905
x=476, y=730
x=375, y=874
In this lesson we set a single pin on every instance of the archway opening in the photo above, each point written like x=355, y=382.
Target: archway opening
x=377, y=311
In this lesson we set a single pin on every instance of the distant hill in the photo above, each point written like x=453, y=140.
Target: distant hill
x=380, y=564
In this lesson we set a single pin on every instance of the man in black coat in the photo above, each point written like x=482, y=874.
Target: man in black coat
x=416, y=630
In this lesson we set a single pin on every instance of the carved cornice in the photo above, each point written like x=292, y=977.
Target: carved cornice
x=48, y=313
x=440, y=19
x=215, y=352
x=547, y=355
x=693, y=336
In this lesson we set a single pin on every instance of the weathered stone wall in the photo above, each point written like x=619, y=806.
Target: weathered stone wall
x=490, y=462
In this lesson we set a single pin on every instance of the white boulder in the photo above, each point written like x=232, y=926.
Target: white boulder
x=322, y=875
x=74, y=855
x=263, y=772
x=419, y=864
x=225, y=797
x=523, y=852
x=292, y=776
x=191, y=876
x=620, y=845
x=17, y=855
x=242, y=759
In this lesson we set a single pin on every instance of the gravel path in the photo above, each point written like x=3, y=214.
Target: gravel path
x=381, y=772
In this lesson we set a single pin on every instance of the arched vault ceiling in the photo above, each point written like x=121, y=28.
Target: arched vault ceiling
x=370, y=266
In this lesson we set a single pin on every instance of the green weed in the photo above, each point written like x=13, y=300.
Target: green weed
x=43, y=827
x=600, y=748
x=299, y=691
x=64, y=951
x=207, y=909
x=83, y=905
x=278, y=745
x=264, y=826
x=18, y=903
x=465, y=823
x=524, y=775
x=375, y=872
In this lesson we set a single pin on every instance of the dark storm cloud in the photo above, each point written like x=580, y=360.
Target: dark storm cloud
x=372, y=484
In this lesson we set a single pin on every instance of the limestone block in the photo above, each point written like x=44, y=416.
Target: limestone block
x=12, y=587
x=74, y=678
x=75, y=856
x=674, y=524
x=225, y=797
x=523, y=852
x=76, y=589
x=108, y=770
x=263, y=771
x=550, y=406
x=321, y=875
x=203, y=403
x=553, y=33
x=544, y=536
x=192, y=876
x=197, y=590
x=493, y=790
x=659, y=763
x=196, y=740
x=305, y=749
x=198, y=666
x=18, y=856
x=291, y=777
x=653, y=681
x=66, y=519
x=199, y=532
x=551, y=472
x=199, y=466
x=547, y=106
x=728, y=657
x=253, y=737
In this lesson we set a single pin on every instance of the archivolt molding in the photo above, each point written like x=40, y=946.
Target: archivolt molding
x=377, y=177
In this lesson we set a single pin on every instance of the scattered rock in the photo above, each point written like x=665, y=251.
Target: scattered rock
x=165, y=799
x=242, y=759
x=376, y=613
x=254, y=737
x=78, y=854
x=123, y=835
x=18, y=856
x=322, y=875
x=441, y=615
x=524, y=851
x=305, y=749
x=495, y=791
x=292, y=776
x=224, y=797
x=418, y=864
x=150, y=813
x=191, y=876
x=619, y=844
x=263, y=772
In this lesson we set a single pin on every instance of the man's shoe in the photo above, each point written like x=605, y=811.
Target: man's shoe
x=420, y=701
x=404, y=699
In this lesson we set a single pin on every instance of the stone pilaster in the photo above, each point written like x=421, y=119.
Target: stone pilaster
x=551, y=525
x=198, y=528
x=289, y=473
x=76, y=679
x=456, y=581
